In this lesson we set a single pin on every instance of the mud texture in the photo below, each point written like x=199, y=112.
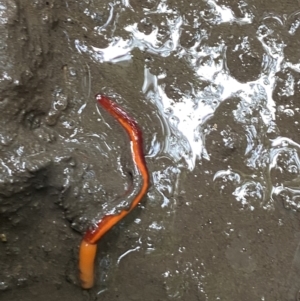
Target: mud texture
x=60, y=165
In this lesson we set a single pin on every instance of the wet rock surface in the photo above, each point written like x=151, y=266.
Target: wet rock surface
x=46, y=179
x=64, y=165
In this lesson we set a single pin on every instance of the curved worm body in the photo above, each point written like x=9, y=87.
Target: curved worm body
x=88, y=247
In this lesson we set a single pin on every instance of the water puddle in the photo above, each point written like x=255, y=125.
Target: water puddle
x=209, y=69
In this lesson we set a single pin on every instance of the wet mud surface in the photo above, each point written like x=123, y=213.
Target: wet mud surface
x=218, y=223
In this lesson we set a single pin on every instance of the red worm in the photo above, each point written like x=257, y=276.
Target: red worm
x=88, y=247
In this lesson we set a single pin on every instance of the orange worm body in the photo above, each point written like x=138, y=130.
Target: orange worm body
x=88, y=247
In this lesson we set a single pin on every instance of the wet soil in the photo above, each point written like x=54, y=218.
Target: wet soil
x=59, y=163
